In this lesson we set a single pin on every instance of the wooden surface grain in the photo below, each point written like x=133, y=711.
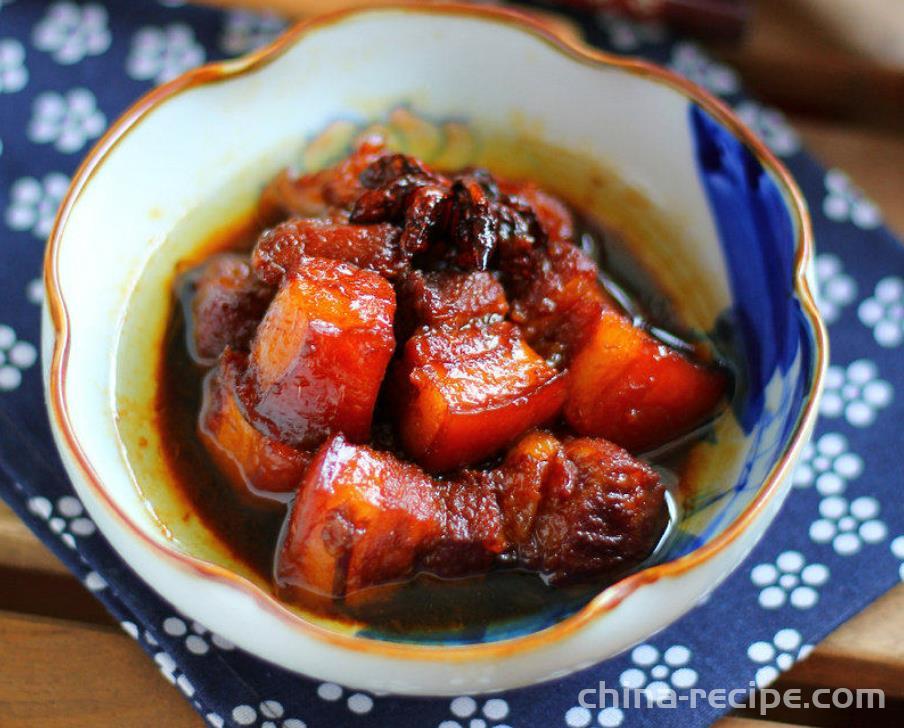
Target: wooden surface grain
x=807, y=56
x=865, y=652
x=873, y=157
x=20, y=549
x=64, y=663
x=788, y=59
x=62, y=674
x=65, y=680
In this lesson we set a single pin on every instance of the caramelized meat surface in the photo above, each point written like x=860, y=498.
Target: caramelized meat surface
x=560, y=302
x=401, y=189
x=251, y=461
x=473, y=533
x=361, y=518
x=552, y=214
x=322, y=194
x=502, y=327
x=227, y=304
x=601, y=510
x=460, y=219
x=528, y=474
x=280, y=250
x=365, y=518
x=448, y=299
x=320, y=353
x=466, y=393
x=632, y=389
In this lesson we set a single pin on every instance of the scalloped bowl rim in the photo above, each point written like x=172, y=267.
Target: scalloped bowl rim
x=576, y=52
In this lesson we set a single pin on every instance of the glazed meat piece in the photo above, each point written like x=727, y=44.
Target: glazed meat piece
x=464, y=394
x=250, y=460
x=389, y=185
x=227, y=304
x=632, y=389
x=424, y=217
x=473, y=222
x=570, y=510
x=473, y=533
x=552, y=214
x=361, y=518
x=487, y=228
x=364, y=518
x=320, y=353
x=560, y=301
x=600, y=510
x=463, y=214
x=289, y=194
x=528, y=474
x=280, y=250
x=447, y=298
x=401, y=190
x=321, y=194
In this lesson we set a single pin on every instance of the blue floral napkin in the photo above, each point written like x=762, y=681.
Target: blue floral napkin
x=67, y=69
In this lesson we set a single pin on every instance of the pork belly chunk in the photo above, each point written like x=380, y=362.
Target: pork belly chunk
x=324, y=193
x=448, y=299
x=580, y=508
x=473, y=533
x=636, y=391
x=320, y=353
x=464, y=394
x=250, y=460
x=282, y=249
x=553, y=215
x=558, y=303
x=362, y=518
x=227, y=304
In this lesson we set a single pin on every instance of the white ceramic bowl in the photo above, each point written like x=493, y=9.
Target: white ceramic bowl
x=698, y=194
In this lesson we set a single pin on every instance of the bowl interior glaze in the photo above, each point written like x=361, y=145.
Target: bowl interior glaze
x=657, y=163
x=742, y=200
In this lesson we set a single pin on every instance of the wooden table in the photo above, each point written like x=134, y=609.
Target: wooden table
x=64, y=662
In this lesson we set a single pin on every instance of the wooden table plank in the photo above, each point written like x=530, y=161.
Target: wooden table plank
x=60, y=674
x=60, y=677
x=34, y=581
x=19, y=549
x=732, y=721
x=865, y=652
x=874, y=159
x=788, y=59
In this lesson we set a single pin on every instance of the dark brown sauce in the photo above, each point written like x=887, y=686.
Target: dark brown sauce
x=425, y=607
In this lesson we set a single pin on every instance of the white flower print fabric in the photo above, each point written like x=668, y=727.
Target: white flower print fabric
x=33, y=203
x=67, y=121
x=883, y=312
x=13, y=71
x=162, y=53
x=70, y=32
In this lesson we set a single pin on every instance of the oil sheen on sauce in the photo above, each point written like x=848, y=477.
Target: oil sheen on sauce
x=426, y=607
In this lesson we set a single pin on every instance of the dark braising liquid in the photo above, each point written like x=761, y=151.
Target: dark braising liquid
x=426, y=606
